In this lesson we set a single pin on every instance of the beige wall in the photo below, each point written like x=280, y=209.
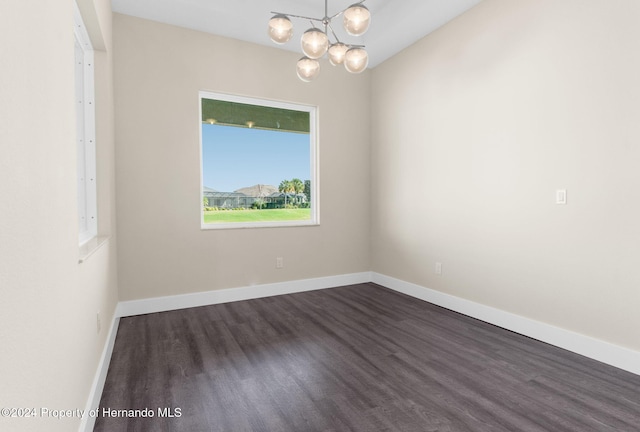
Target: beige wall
x=159, y=70
x=49, y=345
x=473, y=130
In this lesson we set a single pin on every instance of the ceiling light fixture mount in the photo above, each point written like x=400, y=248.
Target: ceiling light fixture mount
x=316, y=43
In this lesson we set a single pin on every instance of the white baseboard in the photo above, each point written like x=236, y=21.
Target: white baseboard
x=161, y=304
x=605, y=352
x=88, y=422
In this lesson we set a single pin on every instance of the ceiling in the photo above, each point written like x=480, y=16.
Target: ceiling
x=395, y=24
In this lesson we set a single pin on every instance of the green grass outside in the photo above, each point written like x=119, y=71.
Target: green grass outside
x=267, y=215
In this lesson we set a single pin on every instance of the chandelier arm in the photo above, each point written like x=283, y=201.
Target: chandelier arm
x=333, y=32
x=298, y=16
x=336, y=15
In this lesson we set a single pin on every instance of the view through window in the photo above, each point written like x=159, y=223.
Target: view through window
x=258, y=162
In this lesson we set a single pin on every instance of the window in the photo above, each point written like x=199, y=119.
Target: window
x=85, y=132
x=258, y=163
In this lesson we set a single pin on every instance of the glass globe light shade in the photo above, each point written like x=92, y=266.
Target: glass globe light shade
x=280, y=29
x=356, y=19
x=314, y=43
x=356, y=60
x=308, y=69
x=337, y=52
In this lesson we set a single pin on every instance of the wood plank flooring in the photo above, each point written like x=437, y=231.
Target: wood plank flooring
x=356, y=358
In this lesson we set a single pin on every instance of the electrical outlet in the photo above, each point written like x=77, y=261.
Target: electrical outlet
x=438, y=269
x=98, y=323
x=279, y=262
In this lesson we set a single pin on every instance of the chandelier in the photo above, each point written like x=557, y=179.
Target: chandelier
x=316, y=43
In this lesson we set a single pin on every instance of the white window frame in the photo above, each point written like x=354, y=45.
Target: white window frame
x=85, y=131
x=313, y=160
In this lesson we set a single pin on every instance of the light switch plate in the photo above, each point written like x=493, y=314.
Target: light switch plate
x=561, y=196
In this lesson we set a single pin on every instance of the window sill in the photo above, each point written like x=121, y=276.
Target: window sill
x=90, y=247
x=243, y=225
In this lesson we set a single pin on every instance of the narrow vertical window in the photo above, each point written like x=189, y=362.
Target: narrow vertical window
x=85, y=132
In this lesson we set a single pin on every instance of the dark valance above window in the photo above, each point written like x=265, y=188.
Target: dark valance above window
x=254, y=116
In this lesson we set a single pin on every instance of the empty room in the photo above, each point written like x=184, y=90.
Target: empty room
x=339, y=215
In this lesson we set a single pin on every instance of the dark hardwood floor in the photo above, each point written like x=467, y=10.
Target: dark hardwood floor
x=356, y=358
